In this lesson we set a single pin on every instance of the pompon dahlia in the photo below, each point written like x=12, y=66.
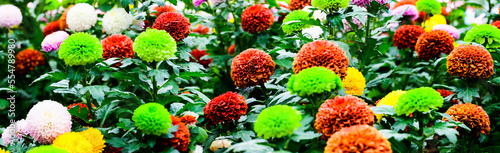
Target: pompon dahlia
x=152, y=118
x=27, y=59
x=163, y=9
x=79, y=120
x=96, y=139
x=445, y=93
x=314, y=80
x=473, y=116
x=252, y=67
x=180, y=141
x=354, y=83
x=347, y=26
x=80, y=49
x=496, y=24
x=10, y=16
x=119, y=46
x=296, y=26
x=201, y=29
x=359, y=138
x=52, y=27
x=74, y=142
x=155, y=45
x=406, y=36
x=299, y=4
x=46, y=149
x=47, y=120
x=52, y=41
x=429, y=6
x=448, y=28
x=410, y=11
x=17, y=129
x=321, y=53
x=189, y=120
x=390, y=100
x=484, y=34
x=277, y=121
x=470, y=61
x=174, y=23
x=342, y=112
x=116, y=20
x=81, y=17
x=430, y=45
x=334, y=5
x=420, y=99
x=225, y=108
x=198, y=54
x=257, y=18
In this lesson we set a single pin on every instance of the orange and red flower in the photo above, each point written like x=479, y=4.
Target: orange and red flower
x=445, y=93
x=252, y=67
x=180, y=141
x=52, y=27
x=496, y=24
x=201, y=29
x=431, y=44
x=321, y=53
x=174, y=23
x=471, y=115
x=470, y=61
x=188, y=119
x=117, y=45
x=299, y=4
x=359, y=138
x=225, y=108
x=197, y=54
x=406, y=36
x=163, y=9
x=27, y=60
x=257, y=18
x=62, y=20
x=231, y=49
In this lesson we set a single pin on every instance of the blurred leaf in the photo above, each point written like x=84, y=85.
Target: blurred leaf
x=97, y=91
x=467, y=93
x=384, y=109
x=80, y=113
x=244, y=135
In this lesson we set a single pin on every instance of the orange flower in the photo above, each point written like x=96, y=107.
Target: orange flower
x=257, y=18
x=52, y=27
x=299, y=4
x=445, y=93
x=27, y=60
x=189, y=120
x=119, y=46
x=252, y=67
x=432, y=44
x=197, y=54
x=201, y=29
x=403, y=2
x=470, y=61
x=163, y=9
x=321, y=53
x=225, y=108
x=496, y=24
x=231, y=49
x=174, y=23
x=62, y=23
x=180, y=141
x=406, y=36
x=342, y=112
x=471, y=115
x=359, y=138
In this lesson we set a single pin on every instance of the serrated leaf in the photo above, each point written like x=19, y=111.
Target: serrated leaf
x=467, y=93
x=80, y=113
x=97, y=91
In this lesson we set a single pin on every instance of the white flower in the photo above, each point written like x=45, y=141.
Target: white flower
x=190, y=113
x=17, y=129
x=10, y=16
x=47, y=120
x=312, y=32
x=198, y=149
x=317, y=13
x=116, y=20
x=81, y=17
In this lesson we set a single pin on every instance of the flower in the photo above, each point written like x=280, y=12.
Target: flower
x=231, y=49
x=80, y=49
x=342, y=112
x=47, y=148
x=155, y=45
x=163, y=9
x=445, y=93
x=47, y=120
x=420, y=99
x=277, y=121
x=403, y=2
x=219, y=144
x=314, y=80
x=359, y=138
x=312, y=32
x=406, y=36
x=117, y=45
x=116, y=20
x=189, y=119
x=334, y=5
x=252, y=67
x=410, y=11
x=198, y=149
x=347, y=26
x=390, y=100
x=470, y=61
x=429, y=6
x=74, y=142
x=201, y=29
x=81, y=17
x=180, y=141
x=198, y=2
x=354, y=83
x=321, y=53
x=257, y=18
x=17, y=129
x=64, y=17
x=296, y=26
x=174, y=23
x=197, y=54
x=496, y=24
x=152, y=118
x=52, y=27
x=299, y=4
x=473, y=116
x=77, y=119
x=95, y=138
x=431, y=44
x=225, y=108
x=27, y=59
x=485, y=34
x=437, y=19
x=448, y=28
x=10, y=16
x=52, y=41
x=365, y=3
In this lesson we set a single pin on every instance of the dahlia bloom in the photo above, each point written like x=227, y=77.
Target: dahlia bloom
x=429, y=6
x=410, y=11
x=80, y=49
x=96, y=139
x=448, y=28
x=219, y=144
x=17, y=129
x=152, y=118
x=163, y=9
x=445, y=93
x=116, y=20
x=174, y=23
x=198, y=54
x=314, y=80
x=10, y=16
x=334, y=5
x=496, y=24
x=198, y=2
x=117, y=45
x=189, y=119
x=420, y=99
x=47, y=120
x=46, y=149
x=296, y=26
x=406, y=36
x=52, y=41
x=354, y=83
x=52, y=27
x=431, y=44
x=252, y=67
x=470, y=61
x=390, y=100
x=257, y=18
x=321, y=53
x=299, y=4
x=277, y=121
x=155, y=45
x=313, y=32
x=201, y=29
x=180, y=141
x=225, y=108
x=359, y=138
x=366, y=3
x=342, y=112
x=484, y=34
x=473, y=116
x=347, y=26
x=27, y=59
x=73, y=142
x=81, y=17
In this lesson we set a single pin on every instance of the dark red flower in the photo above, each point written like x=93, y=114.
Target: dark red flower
x=27, y=60
x=117, y=45
x=431, y=44
x=496, y=24
x=231, y=49
x=52, y=27
x=321, y=53
x=180, y=141
x=470, y=61
x=252, y=67
x=201, y=29
x=299, y=4
x=225, y=108
x=162, y=9
x=189, y=120
x=174, y=23
x=197, y=54
x=445, y=93
x=257, y=18
x=406, y=36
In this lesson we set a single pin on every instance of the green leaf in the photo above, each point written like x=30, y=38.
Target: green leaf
x=250, y=146
x=299, y=135
x=159, y=2
x=244, y=135
x=467, y=93
x=384, y=109
x=393, y=134
x=105, y=111
x=445, y=128
x=97, y=91
x=80, y=113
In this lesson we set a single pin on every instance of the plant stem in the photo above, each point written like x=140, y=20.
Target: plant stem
x=217, y=28
x=153, y=82
x=407, y=76
x=489, y=11
x=421, y=133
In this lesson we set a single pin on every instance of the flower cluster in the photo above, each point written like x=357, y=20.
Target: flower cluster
x=152, y=118
x=180, y=141
x=81, y=17
x=277, y=121
x=174, y=23
x=225, y=108
x=420, y=99
x=296, y=26
x=10, y=16
x=406, y=36
x=19, y=128
x=52, y=41
x=431, y=44
x=354, y=83
x=27, y=59
x=80, y=49
x=299, y=4
x=470, y=61
x=366, y=3
x=390, y=99
x=359, y=138
x=257, y=18
x=314, y=80
x=252, y=67
x=198, y=54
x=334, y=5
x=47, y=120
x=155, y=45
x=116, y=20
x=321, y=53
x=62, y=21
x=429, y=6
x=484, y=34
x=473, y=116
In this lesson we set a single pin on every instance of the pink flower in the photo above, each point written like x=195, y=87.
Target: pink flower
x=47, y=120
x=17, y=129
x=10, y=16
x=411, y=11
x=448, y=28
x=54, y=40
x=347, y=26
x=198, y=2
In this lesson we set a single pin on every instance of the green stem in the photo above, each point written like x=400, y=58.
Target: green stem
x=407, y=76
x=421, y=133
x=153, y=82
x=489, y=11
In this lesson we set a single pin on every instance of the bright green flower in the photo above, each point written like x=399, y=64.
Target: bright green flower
x=152, y=118
x=155, y=45
x=47, y=148
x=277, y=121
x=335, y=5
x=80, y=49
x=484, y=33
x=296, y=15
x=314, y=80
x=429, y=6
x=421, y=99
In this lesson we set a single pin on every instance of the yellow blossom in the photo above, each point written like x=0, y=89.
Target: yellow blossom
x=390, y=99
x=354, y=83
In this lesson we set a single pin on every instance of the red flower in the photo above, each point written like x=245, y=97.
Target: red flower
x=257, y=18
x=225, y=108
x=201, y=29
x=471, y=115
x=52, y=27
x=197, y=54
x=406, y=36
x=163, y=9
x=299, y=4
x=117, y=45
x=231, y=49
x=252, y=67
x=470, y=61
x=321, y=53
x=189, y=120
x=174, y=23
x=27, y=60
x=180, y=141
x=496, y=24
x=445, y=93
x=431, y=44
x=359, y=138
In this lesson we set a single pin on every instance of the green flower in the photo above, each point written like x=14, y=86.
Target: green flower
x=421, y=99
x=277, y=121
x=429, y=6
x=152, y=118
x=314, y=80
x=80, y=49
x=296, y=15
x=484, y=33
x=335, y=5
x=155, y=45
x=47, y=148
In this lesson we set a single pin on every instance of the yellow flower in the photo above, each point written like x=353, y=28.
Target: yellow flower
x=73, y=142
x=390, y=99
x=434, y=20
x=3, y=151
x=95, y=138
x=354, y=83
